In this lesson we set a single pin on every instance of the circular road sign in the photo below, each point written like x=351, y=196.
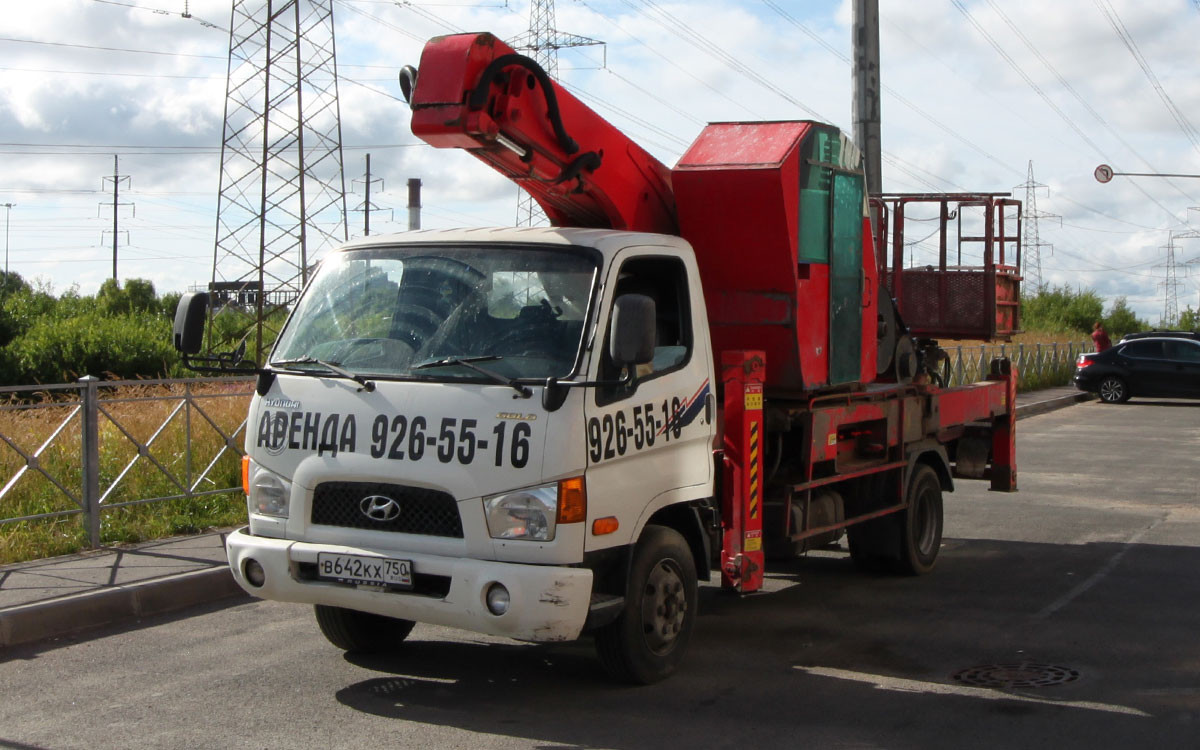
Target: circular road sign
x=1104, y=173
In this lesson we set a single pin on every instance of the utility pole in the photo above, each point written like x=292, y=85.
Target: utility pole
x=116, y=209
x=8, y=207
x=367, y=207
x=865, y=70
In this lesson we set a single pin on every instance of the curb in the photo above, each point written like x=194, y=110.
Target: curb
x=73, y=614
x=1052, y=404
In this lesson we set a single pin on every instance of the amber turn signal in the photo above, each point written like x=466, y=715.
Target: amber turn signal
x=246, y=475
x=606, y=525
x=572, y=500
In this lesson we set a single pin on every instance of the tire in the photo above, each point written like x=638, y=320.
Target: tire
x=364, y=632
x=922, y=531
x=1113, y=390
x=871, y=547
x=873, y=544
x=647, y=642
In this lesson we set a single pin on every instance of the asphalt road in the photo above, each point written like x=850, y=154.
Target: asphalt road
x=1082, y=588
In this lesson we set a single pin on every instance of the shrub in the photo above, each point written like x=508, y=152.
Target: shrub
x=58, y=350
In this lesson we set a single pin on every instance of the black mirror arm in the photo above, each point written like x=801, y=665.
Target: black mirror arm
x=219, y=364
x=555, y=392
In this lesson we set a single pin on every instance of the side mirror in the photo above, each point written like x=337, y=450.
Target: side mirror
x=631, y=339
x=190, y=317
x=408, y=82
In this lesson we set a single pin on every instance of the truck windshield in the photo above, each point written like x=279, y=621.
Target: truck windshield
x=432, y=311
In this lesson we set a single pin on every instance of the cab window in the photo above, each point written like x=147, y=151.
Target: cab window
x=664, y=280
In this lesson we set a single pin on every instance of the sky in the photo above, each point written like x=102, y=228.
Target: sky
x=974, y=92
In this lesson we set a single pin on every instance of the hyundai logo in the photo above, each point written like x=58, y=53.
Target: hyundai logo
x=379, y=508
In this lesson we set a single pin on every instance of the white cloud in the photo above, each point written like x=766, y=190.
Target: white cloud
x=658, y=86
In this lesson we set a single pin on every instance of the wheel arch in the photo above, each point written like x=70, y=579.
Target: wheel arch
x=688, y=519
x=932, y=454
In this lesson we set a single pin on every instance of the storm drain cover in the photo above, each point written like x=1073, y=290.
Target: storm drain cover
x=1024, y=675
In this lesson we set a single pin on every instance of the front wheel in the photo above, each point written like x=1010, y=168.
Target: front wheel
x=364, y=632
x=647, y=642
x=1113, y=390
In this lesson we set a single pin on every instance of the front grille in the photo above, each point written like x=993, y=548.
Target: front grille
x=421, y=511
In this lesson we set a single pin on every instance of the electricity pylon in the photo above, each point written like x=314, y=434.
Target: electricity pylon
x=543, y=42
x=282, y=194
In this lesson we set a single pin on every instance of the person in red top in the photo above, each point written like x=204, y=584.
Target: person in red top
x=1100, y=337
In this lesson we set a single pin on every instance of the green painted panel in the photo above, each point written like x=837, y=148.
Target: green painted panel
x=814, y=226
x=845, y=279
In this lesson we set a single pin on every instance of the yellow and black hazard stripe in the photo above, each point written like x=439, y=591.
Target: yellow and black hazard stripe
x=754, y=470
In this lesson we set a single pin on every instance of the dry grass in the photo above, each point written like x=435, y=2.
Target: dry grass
x=157, y=415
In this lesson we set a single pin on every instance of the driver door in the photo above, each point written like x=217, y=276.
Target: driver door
x=650, y=442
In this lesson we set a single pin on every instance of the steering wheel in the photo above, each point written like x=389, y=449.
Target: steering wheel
x=414, y=324
x=527, y=342
x=392, y=353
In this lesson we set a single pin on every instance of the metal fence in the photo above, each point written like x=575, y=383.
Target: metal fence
x=1038, y=365
x=93, y=446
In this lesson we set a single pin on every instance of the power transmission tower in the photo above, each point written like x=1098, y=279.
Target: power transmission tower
x=543, y=42
x=116, y=204
x=1170, y=284
x=1031, y=240
x=282, y=195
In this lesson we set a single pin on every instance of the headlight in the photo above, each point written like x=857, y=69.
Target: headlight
x=523, y=514
x=269, y=493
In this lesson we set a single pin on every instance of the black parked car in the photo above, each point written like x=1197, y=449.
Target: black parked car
x=1167, y=366
x=1194, y=335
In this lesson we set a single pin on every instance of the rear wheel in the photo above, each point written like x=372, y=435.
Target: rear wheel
x=921, y=538
x=871, y=548
x=647, y=642
x=1113, y=390
x=365, y=632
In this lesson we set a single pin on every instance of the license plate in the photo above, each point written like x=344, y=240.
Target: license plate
x=360, y=569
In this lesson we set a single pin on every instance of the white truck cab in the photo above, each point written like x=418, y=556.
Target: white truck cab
x=442, y=435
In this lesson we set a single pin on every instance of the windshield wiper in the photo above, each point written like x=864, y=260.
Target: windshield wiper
x=469, y=363
x=367, y=385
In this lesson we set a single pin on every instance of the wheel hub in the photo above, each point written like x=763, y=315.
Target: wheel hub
x=663, y=607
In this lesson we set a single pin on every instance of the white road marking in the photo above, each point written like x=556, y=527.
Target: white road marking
x=901, y=685
x=1096, y=577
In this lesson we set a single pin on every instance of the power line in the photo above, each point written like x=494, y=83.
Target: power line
x=1078, y=97
x=1025, y=77
x=110, y=49
x=1114, y=20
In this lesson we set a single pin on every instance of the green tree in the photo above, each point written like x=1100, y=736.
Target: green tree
x=1189, y=320
x=1058, y=309
x=1121, y=320
x=140, y=295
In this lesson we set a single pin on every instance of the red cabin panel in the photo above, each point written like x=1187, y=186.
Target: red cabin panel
x=752, y=204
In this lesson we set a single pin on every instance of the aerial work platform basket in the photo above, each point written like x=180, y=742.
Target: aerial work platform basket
x=959, y=261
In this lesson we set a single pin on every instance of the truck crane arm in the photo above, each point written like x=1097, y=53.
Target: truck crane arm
x=475, y=93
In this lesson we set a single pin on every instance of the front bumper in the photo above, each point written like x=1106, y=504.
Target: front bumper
x=547, y=603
